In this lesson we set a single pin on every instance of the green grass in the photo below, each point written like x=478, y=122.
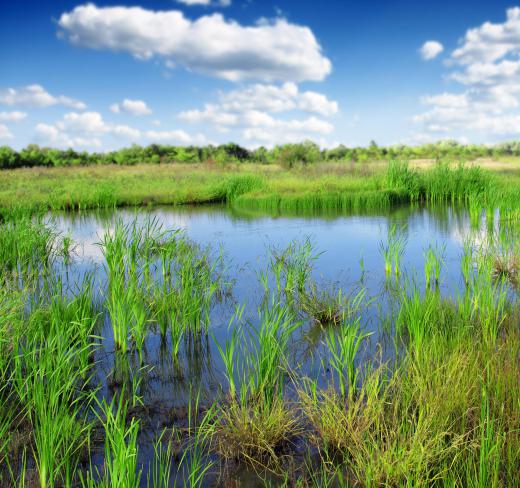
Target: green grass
x=319, y=188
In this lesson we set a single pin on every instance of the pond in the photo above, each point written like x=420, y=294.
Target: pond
x=349, y=256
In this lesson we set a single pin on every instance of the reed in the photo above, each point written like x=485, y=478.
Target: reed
x=393, y=250
x=50, y=375
x=120, y=466
x=344, y=346
x=256, y=420
x=195, y=463
x=26, y=246
x=433, y=261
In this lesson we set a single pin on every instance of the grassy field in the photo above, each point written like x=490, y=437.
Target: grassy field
x=254, y=186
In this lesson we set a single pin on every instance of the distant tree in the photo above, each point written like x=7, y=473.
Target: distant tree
x=8, y=157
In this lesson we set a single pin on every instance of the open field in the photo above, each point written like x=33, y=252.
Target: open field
x=108, y=186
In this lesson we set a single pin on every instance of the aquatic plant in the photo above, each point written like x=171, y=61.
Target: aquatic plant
x=393, y=250
x=120, y=466
x=255, y=419
x=433, y=261
x=344, y=345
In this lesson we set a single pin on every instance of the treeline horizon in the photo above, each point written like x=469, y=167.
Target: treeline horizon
x=287, y=155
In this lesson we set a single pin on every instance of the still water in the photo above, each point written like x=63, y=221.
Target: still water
x=348, y=249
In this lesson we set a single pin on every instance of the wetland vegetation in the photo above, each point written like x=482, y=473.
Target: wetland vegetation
x=371, y=339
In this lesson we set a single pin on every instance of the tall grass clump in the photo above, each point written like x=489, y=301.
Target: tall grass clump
x=393, y=250
x=461, y=184
x=26, y=245
x=256, y=420
x=400, y=176
x=441, y=184
x=343, y=346
x=238, y=185
x=433, y=260
x=195, y=462
x=191, y=278
x=51, y=377
x=120, y=464
x=128, y=253
x=291, y=268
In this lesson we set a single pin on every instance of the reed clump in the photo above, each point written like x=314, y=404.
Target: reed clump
x=256, y=421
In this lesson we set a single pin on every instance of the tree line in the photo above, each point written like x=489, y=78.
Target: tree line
x=287, y=154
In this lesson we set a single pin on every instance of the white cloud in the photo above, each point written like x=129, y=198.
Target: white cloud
x=83, y=130
x=93, y=123
x=430, y=50
x=5, y=133
x=251, y=110
x=175, y=137
x=211, y=44
x=276, y=98
x=36, y=96
x=12, y=116
x=133, y=107
x=278, y=131
x=490, y=42
x=51, y=135
x=206, y=3
x=487, y=66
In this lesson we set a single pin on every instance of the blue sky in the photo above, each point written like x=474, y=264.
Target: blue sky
x=106, y=75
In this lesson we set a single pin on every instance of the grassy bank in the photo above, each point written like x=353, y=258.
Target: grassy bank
x=257, y=187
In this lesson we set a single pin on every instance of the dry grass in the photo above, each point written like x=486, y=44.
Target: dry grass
x=422, y=422
x=254, y=432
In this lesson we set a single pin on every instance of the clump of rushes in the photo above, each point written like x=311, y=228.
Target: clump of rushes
x=292, y=266
x=419, y=423
x=26, y=245
x=256, y=421
x=329, y=308
x=393, y=250
x=466, y=262
x=120, y=467
x=191, y=278
x=344, y=345
x=128, y=251
x=160, y=473
x=433, y=260
x=50, y=374
x=506, y=265
x=420, y=317
x=195, y=461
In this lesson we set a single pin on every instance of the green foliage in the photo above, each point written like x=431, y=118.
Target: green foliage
x=288, y=155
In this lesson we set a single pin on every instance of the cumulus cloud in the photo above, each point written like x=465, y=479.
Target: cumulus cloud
x=211, y=44
x=83, y=129
x=93, y=123
x=12, y=116
x=490, y=42
x=277, y=131
x=36, y=96
x=51, y=135
x=431, y=49
x=206, y=3
x=175, y=137
x=486, y=65
x=133, y=107
x=237, y=106
x=253, y=110
x=5, y=133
